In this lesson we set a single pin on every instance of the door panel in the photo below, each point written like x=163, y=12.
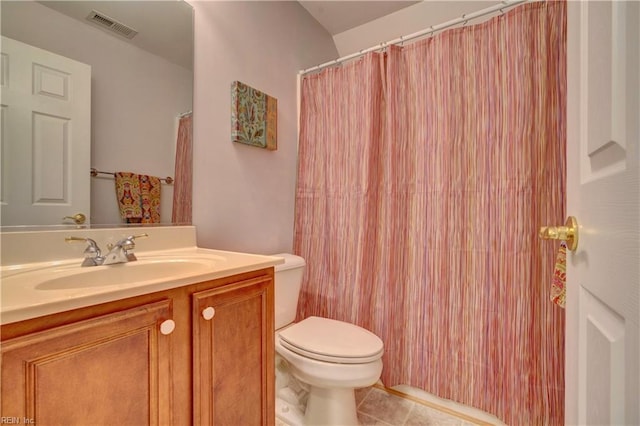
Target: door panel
x=50, y=170
x=604, y=344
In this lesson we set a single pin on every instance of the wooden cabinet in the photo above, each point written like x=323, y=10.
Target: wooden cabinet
x=113, y=369
x=110, y=363
x=233, y=354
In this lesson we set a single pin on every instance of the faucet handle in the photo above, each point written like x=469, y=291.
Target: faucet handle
x=124, y=245
x=127, y=243
x=92, y=246
x=130, y=245
x=130, y=239
x=139, y=236
x=75, y=239
x=92, y=254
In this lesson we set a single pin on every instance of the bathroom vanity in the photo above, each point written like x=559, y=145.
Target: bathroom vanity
x=185, y=348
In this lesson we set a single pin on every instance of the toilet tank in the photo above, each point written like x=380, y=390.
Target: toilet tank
x=287, y=288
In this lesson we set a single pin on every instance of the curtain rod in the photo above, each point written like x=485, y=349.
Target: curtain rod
x=432, y=29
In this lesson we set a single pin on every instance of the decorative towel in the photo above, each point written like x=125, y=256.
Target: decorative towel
x=138, y=197
x=150, y=191
x=129, y=197
x=558, y=286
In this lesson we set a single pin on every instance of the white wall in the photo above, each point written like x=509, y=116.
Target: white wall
x=404, y=22
x=136, y=97
x=244, y=196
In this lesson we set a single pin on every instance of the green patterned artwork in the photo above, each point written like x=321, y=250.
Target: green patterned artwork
x=254, y=117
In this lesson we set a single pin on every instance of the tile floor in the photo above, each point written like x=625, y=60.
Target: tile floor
x=378, y=406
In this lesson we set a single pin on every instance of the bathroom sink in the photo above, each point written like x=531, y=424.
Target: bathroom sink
x=30, y=290
x=126, y=273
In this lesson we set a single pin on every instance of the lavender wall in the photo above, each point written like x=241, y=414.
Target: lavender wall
x=244, y=196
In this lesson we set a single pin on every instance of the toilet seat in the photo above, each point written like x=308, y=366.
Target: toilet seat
x=333, y=341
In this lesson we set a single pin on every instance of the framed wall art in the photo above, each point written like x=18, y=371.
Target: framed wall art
x=254, y=117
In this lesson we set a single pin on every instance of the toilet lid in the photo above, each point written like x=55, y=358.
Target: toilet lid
x=333, y=341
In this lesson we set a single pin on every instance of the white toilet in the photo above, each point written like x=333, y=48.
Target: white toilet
x=327, y=358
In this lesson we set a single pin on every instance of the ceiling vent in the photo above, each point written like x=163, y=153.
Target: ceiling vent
x=111, y=24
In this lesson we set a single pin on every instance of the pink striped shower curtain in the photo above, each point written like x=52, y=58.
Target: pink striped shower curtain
x=183, y=184
x=424, y=174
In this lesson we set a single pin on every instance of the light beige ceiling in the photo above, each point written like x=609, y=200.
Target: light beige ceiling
x=162, y=28
x=165, y=28
x=339, y=16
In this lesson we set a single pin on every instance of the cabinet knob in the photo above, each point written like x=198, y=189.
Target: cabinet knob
x=208, y=313
x=167, y=327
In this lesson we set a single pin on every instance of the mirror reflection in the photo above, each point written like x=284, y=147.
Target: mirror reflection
x=138, y=90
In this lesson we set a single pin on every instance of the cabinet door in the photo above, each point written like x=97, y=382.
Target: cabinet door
x=112, y=369
x=234, y=354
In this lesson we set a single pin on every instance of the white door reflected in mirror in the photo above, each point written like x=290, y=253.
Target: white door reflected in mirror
x=46, y=133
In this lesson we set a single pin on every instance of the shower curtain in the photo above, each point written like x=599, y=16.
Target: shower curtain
x=182, y=186
x=423, y=176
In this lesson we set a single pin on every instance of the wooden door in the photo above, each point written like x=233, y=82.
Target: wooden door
x=111, y=370
x=46, y=136
x=603, y=275
x=234, y=354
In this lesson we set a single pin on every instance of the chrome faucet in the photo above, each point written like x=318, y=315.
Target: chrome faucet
x=119, y=252
x=92, y=254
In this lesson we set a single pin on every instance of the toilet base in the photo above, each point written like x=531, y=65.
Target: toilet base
x=288, y=413
x=335, y=406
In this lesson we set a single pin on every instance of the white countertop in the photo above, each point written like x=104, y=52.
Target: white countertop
x=34, y=289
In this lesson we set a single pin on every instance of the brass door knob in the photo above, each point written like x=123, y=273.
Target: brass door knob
x=78, y=218
x=568, y=233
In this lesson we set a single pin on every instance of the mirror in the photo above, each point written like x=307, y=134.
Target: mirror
x=139, y=86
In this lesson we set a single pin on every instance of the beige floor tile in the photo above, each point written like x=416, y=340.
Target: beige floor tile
x=422, y=415
x=365, y=420
x=361, y=394
x=377, y=407
x=386, y=407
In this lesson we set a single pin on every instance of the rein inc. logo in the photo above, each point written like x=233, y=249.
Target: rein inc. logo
x=17, y=421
